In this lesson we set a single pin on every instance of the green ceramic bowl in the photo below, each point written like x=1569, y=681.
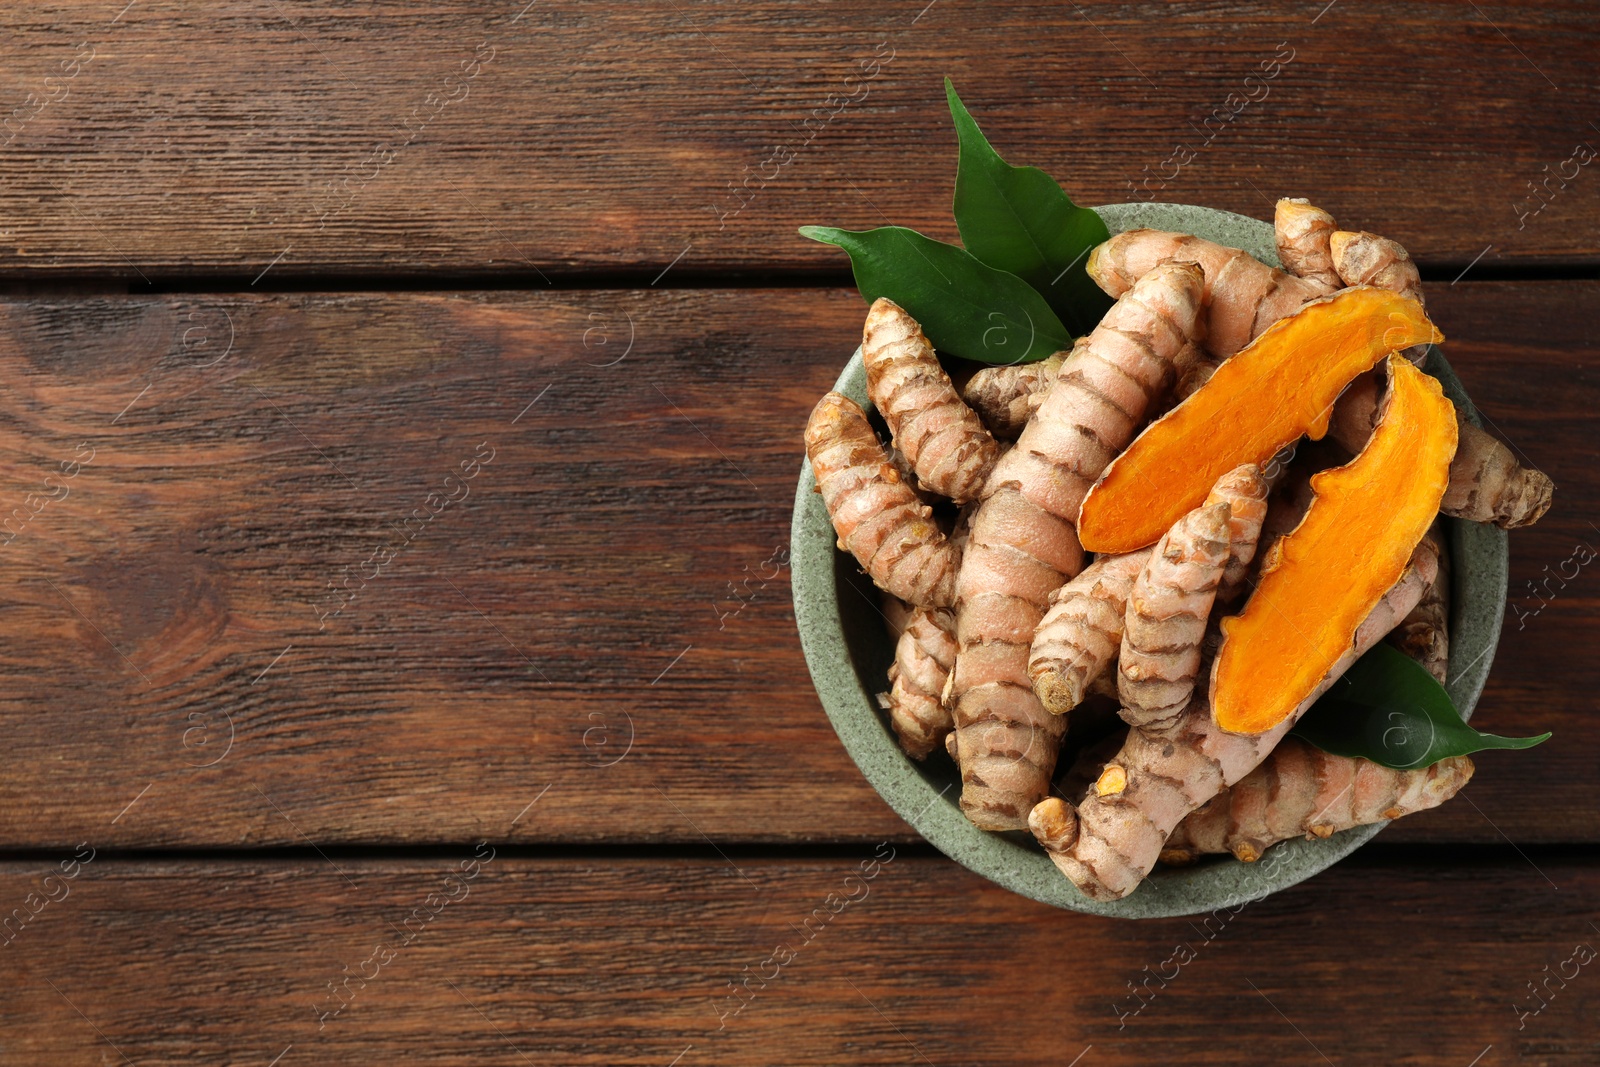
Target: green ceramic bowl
x=848, y=652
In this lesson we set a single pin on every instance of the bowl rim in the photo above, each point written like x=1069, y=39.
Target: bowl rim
x=1479, y=581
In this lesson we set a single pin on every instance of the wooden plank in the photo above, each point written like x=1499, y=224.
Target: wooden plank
x=693, y=962
x=540, y=141
x=170, y=637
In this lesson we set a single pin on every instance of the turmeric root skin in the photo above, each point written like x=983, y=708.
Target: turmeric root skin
x=1299, y=789
x=923, y=657
x=1243, y=295
x=1078, y=639
x=1424, y=634
x=1005, y=396
x=944, y=439
x=1487, y=484
x=1303, y=235
x=1244, y=489
x=1367, y=259
x=875, y=513
x=1166, y=618
x=1016, y=556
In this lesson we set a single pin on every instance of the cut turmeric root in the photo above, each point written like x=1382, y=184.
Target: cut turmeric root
x=877, y=516
x=1299, y=789
x=947, y=445
x=1319, y=583
x=1262, y=399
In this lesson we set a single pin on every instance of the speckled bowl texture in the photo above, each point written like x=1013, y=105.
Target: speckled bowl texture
x=849, y=652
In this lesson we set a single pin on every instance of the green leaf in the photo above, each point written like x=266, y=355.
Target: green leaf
x=1387, y=708
x=1017, y=219
x=967, y=309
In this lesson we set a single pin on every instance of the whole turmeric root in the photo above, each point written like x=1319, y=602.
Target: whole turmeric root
x=1299, y=789
x=1367, y=259
x=877, y=516
x=1243, y=295
x=1424, y=634
x=1023, y=545
x=1487, y=484
x=1167, y=612
x=922, y=660
x=1079, y=636
x=1004, y=396
x=1112, y=839
x=1016, y=556
x=1244, y=489
x=1303, y=235
x=944, y=439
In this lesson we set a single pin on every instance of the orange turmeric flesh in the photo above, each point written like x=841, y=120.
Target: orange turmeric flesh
x=1321, y=580
x=1283, y=384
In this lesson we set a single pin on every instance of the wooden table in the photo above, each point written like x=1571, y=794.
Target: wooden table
x=396, y=399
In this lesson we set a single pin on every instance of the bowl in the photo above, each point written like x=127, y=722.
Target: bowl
x=849, y=651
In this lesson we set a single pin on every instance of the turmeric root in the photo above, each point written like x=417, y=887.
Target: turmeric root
x=1244, y=490
x=1166, y=617
x=877, y=516
x=1424, y=634
x=1487, y=484
x=896, y=614
x=922, y=660
x=1367, y=259
x=1243, y=295
x=1191, y=378
x=1001, y=395
x=1257, y=402
x=1299, y=789
x=1302, y=233
x=1109, y=842
x=1023, y=546
x=1079, y=636
x=1016, y=556
x=944, y=439
x=1324, y=578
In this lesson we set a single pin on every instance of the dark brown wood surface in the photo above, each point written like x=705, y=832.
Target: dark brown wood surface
x=283, y=676
x=763, y=960
x=574, y=600
x=479, y=139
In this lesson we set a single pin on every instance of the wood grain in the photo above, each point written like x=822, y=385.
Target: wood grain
x=603, y=582
x=630, y=962
x=152, y=142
